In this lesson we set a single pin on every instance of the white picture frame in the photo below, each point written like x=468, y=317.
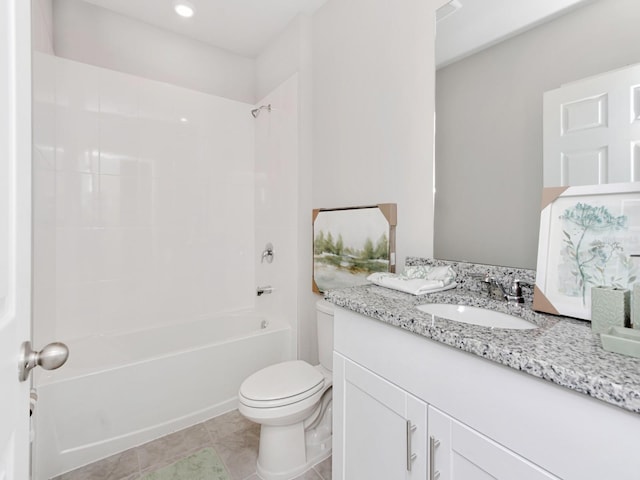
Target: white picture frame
x=589, y=236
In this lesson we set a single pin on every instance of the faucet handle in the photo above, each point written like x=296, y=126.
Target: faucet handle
x=267, y=253
x=486, y=278
x=516, y=287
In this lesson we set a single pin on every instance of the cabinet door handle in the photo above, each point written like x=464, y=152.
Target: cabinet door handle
x=433, y=444
x=410, y=456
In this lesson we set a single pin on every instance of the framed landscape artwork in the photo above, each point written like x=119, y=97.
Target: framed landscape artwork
x=351, y=243
x=589, y=236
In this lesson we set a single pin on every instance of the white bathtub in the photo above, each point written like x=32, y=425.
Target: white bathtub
x=119, y=391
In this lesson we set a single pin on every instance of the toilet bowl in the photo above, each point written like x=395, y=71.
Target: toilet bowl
x=292, y=403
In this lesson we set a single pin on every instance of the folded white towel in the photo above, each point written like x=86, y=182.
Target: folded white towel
x=415, y=286
x=444, y=273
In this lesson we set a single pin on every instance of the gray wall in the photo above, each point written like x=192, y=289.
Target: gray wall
x=489, y=129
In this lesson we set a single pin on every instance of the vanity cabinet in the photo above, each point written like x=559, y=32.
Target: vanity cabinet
x=461, y=453
x=383, y=427
x=388, y=433
x=482, y=420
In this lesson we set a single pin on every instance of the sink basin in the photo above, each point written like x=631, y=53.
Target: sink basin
x=476, y=316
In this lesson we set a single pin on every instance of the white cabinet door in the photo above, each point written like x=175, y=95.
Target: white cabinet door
x=592, y=130
x=461, y=453
x=382, y=428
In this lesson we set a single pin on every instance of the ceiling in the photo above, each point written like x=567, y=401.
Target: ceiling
x=243, y=27
x=478, y=24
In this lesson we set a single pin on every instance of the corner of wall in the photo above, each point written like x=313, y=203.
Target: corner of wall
x=42, y=26
x=279, y=60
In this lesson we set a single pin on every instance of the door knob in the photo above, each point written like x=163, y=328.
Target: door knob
x=50, y=357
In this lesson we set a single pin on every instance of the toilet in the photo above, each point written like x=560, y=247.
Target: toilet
x=292, y=403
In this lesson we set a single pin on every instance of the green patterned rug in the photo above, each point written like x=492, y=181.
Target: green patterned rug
x=202, y=465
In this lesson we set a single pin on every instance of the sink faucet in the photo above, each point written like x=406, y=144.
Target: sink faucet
x=513, y=295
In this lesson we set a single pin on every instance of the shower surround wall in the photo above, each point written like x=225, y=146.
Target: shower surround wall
x=153, y=187
x=276, y=203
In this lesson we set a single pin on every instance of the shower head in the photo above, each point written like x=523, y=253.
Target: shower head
x=256, y=111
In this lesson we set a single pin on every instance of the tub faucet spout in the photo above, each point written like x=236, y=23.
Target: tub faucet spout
x=264, y=290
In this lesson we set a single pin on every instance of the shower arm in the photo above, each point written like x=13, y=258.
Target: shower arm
x=256, y=111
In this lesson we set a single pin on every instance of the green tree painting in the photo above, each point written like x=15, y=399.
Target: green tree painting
x=382, y=247
x=339, y=248
x=370, y=257
x=351, y=243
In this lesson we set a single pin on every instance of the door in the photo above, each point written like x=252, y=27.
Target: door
x=383, y=428
x=15, y=233
x=460, y=453
x=592, y=130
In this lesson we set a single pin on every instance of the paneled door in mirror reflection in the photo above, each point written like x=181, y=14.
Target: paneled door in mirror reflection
x=592, y=130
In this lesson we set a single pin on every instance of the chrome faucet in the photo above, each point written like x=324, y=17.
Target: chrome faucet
x=513, y=295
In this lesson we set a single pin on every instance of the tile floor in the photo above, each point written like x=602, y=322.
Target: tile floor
x=233, y=437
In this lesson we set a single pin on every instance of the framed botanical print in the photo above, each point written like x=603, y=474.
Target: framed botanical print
x=589, y=236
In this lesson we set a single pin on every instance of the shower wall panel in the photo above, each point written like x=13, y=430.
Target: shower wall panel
x=276, y=203
x=44, y=199
x=154, y=203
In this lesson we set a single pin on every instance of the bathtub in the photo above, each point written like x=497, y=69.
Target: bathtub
x=119, y=391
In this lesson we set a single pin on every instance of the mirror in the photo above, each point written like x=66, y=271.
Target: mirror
x=488, y=157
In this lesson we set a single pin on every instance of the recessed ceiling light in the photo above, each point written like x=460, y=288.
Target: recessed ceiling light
x=184, y=8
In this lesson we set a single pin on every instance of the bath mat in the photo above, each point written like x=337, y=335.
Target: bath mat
x=202, y=465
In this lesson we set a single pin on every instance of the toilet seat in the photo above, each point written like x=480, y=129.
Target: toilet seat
x=281, y=384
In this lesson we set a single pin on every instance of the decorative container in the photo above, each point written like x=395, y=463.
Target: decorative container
x=622, y=340
x=635, y=306
x=609, y=308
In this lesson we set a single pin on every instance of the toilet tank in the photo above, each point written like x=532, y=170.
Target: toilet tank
x=324, y=315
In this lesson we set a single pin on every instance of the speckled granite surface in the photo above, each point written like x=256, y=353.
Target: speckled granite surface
x=561, y=350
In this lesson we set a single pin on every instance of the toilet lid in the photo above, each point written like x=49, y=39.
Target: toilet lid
x=282, y=381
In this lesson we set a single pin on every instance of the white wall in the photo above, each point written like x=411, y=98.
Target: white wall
x=42, y=26
x=280, y=59
x=365, y=75
x=489, y=128
x=154, y=216
x=346, y=56
x=93, y=35
x=373, y=105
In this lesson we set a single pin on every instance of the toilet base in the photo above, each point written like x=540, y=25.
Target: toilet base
x=285, y=453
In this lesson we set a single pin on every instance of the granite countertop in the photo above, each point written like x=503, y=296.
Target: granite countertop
x=561, y=350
